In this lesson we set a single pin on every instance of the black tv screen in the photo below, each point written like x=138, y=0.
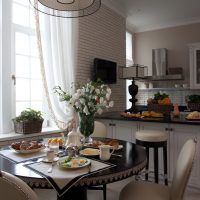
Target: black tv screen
x=105, y=70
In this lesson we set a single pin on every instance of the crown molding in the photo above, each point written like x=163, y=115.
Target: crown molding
x=112, y=4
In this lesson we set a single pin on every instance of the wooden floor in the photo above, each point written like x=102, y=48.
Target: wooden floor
x=112, y=192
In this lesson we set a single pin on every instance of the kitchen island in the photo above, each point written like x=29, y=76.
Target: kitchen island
x=180, y=120
x=178, y=130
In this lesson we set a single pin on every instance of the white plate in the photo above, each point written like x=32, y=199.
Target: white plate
x=119, y=147
x=48, y=161
x=89, y=152
x=68, y=165
x=28, y=151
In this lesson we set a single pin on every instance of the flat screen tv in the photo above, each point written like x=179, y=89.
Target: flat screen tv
x=105, y=70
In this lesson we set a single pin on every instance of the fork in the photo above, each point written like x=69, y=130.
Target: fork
x=51, y=168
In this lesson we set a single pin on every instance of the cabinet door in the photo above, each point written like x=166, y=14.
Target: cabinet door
x=195, y=66
x=179, y=135
x=124, y=130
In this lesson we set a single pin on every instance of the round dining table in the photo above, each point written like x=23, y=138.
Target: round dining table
x=131, y=160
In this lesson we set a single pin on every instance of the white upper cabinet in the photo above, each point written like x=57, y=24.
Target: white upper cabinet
x=194, y=65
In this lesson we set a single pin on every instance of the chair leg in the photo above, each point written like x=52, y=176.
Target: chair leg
x=104, y=191
x=147, y=165
x=165, y=164
x=156, y=164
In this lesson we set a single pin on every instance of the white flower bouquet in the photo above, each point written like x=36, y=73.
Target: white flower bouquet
x=88, y=98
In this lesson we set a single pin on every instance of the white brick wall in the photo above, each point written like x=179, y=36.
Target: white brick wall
x=102, y=35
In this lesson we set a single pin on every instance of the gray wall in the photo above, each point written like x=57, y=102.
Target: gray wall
x=176, y=40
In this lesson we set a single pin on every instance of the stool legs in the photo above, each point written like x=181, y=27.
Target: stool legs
x=147, y=165
x=165, y=164
x=156, y=164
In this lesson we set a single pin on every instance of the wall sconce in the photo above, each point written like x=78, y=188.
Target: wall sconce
x=135, y=72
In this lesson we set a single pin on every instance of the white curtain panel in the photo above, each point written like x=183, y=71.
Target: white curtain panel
x=57, y=42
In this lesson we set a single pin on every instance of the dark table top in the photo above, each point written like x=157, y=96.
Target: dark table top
x=181, y=120
x=133, y=160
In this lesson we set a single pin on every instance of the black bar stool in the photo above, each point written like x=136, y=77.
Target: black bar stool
x=154, y=139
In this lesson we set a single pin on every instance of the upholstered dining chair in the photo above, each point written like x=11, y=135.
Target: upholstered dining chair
x=142, y=190
x=99, y=131
x=13, y=188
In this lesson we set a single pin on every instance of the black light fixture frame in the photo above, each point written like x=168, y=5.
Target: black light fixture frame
x=73, y=13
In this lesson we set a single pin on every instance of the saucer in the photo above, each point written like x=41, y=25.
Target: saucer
x=48, y=161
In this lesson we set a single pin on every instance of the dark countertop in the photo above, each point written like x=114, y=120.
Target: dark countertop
x=182, y=120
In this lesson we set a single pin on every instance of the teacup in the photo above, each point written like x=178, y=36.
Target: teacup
x=104, y=152
x=50, y=155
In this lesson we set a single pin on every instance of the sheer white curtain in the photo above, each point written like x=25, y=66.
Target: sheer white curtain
x=57, y=42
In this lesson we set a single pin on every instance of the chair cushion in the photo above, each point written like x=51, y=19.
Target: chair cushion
x=151, y=136
x=141, y=190
x=13, y=188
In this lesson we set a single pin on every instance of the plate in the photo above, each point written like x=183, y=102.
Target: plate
x=47, y=161
x=119, y=147
x=89, y=152
x=73, y=162
x=96, y=147
x=193, y=119
x=28, y=151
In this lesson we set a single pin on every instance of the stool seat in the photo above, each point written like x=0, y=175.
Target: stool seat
x=151, y=136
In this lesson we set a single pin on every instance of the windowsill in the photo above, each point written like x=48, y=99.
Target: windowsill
x=13, y=135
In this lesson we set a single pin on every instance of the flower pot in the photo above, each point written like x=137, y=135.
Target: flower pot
x=194, y=106
x=28, y=127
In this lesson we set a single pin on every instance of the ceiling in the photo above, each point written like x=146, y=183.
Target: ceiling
x=144, y=15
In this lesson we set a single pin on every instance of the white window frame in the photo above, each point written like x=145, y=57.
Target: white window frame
x=7, y=66
x=6, y=85
x=129, y=62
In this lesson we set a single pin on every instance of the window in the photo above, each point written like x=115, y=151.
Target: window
x=129, y=62
x=26, y=88
x=26, y=60
x=129, y=49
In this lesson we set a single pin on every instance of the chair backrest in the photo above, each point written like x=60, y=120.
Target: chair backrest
x=13, y=188
x=99, y=130
x=183, y=169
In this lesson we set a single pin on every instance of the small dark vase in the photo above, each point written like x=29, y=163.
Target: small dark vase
x=86, y=126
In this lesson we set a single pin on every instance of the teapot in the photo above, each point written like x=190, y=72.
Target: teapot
x=73, y=138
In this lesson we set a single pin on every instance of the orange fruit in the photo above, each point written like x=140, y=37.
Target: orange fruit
x=54, y=140
x=49, y=141
x=60, y=140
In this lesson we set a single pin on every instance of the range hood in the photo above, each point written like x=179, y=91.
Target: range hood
x=160, y=67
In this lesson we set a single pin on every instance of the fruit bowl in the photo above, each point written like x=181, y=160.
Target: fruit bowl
x=165, y=109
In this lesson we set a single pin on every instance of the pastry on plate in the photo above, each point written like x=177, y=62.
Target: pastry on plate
x=194, y=115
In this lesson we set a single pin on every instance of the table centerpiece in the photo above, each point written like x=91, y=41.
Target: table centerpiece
x=87, y=100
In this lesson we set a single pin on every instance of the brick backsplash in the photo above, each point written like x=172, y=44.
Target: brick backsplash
x=102, y=35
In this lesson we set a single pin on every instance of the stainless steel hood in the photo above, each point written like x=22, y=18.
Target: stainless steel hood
x=160, y=66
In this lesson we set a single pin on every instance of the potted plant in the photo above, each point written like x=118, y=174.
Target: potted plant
x=29, y=121
x=193, y=102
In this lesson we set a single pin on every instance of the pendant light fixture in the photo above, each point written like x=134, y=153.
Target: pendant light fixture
x=67, y=8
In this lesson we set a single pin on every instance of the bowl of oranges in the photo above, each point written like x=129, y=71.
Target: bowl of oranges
x=59, y=141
